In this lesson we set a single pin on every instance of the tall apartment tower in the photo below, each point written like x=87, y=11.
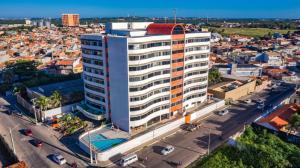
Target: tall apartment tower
x=141, y=73
x=70, y=20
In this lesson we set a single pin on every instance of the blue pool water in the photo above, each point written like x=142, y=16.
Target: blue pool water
x=102, y=143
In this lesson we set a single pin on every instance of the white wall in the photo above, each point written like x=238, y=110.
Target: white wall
x=147, y=137
x=49, y=114
x=118, y=77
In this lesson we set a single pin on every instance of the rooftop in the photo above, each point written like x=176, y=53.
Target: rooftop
x=63, y=87
x=281, y=117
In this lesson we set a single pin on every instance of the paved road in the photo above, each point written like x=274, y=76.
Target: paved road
x=189, y=146
x=33, y=156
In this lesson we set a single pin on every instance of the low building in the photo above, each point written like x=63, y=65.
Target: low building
x=279, y=120
x=68, y=66
x=70, y=91
x=239, y=69
x=233, y=89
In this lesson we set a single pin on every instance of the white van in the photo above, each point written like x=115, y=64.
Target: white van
x=128, y=159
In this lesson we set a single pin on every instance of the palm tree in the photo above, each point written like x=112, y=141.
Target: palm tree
x=43, y=102
x=56, y=99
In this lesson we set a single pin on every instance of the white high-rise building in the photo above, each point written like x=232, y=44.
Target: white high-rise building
x=138, y=74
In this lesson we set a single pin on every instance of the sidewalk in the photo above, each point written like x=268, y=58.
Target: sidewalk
x=115, y=160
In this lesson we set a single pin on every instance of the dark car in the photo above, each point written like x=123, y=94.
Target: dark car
x=189, y=127
x=38, y=143
x=28, y=132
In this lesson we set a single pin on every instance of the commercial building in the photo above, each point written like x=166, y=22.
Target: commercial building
x=233, y=89
x=70, y=20
x=239, y=69
x=138, y=74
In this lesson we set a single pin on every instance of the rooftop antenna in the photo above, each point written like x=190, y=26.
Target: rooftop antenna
x=175, y=12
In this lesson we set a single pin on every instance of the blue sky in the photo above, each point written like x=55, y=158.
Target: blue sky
x=152, y=8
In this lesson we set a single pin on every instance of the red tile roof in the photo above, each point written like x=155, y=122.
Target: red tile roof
x=64, y=62
x=281, y=117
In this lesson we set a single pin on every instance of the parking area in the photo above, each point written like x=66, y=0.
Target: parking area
x=214, y=131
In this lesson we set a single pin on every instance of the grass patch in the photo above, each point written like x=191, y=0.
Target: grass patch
x=251, y=32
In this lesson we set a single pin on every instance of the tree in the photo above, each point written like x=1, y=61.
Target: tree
x=214, y=76
x=43, y=102
x=56, y=99
x=294, y=124
x=8, y=76
x=23, y=68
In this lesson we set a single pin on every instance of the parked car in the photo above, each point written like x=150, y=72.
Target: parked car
x=189, y=127
x=18, y=113
x=38, y=143
x=260, y=101
x=128, y=159
x=167, y=150
x=223, y=112
x=59, y=159
x=28, y=132
x=261, y=106
x=248, y=101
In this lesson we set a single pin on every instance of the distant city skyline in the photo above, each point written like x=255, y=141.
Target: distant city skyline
x=156, y=8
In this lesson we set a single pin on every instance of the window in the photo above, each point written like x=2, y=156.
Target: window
x=148, y=45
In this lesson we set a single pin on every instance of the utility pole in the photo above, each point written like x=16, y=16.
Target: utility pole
x=175, y=12
x=208, y=147
x=90, y=146
x=34, y=105
x=12, y=141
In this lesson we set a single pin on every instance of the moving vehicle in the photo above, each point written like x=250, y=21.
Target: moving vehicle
x=38, y=143
x=59, y=159
x=223, y=112
x=128, y=159
x=28, y=132
x=167, y=150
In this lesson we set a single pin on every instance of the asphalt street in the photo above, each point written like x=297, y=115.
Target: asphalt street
x=36, y=157
x=189, y=146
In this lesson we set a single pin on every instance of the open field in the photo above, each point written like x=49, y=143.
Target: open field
x=253, y=32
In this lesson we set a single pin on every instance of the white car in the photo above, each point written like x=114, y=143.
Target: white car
x=248, y=101
x=59, y=159
x=223, y=112
x=167, y=150
x=261, y=106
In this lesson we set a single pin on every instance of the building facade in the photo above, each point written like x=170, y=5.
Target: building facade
x=70, y=20
x=138, y=74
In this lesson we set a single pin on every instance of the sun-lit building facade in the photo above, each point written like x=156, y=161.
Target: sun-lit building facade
x=70, y=20
x=141, y=73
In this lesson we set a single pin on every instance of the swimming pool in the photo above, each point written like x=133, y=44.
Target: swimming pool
x=102, y=143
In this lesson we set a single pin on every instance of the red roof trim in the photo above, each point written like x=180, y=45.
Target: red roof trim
x=162, y=28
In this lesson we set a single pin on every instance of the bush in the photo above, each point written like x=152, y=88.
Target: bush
x=257, y=149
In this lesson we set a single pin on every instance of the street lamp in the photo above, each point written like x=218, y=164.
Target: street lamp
x=90, y=146
x=208, y=147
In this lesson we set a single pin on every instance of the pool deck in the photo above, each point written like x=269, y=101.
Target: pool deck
x=109, y=134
